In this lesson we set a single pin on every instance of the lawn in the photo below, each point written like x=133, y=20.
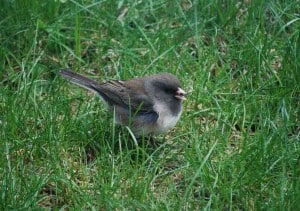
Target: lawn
x=236, y=146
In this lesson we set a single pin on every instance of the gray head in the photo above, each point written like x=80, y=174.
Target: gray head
x=166, y=88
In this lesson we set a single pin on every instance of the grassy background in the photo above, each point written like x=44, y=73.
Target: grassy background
x=236, y=146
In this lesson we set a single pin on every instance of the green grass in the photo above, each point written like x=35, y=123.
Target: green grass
x=236, y=146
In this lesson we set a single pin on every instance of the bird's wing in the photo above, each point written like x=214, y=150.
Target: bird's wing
x=119, y=93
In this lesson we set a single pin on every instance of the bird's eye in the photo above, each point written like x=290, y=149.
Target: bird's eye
x=165, y=87
x=169, y=91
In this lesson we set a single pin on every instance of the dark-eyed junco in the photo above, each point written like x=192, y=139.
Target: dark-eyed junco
x=148, y=105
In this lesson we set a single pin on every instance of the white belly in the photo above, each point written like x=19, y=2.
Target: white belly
x=166, y=119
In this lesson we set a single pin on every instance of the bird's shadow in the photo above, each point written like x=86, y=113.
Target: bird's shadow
x=121, y=142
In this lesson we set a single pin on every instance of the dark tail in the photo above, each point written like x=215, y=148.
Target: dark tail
x=80, y=80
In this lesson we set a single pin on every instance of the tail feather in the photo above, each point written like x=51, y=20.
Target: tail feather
x=80, y=80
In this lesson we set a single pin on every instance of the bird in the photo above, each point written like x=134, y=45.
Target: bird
x=149, y=105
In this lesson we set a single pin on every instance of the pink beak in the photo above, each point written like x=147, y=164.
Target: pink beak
x=180, y=94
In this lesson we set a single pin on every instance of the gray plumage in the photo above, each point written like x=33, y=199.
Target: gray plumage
x=148, y=105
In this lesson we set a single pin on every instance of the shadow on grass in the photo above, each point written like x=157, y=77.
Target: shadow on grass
x=122, y=142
